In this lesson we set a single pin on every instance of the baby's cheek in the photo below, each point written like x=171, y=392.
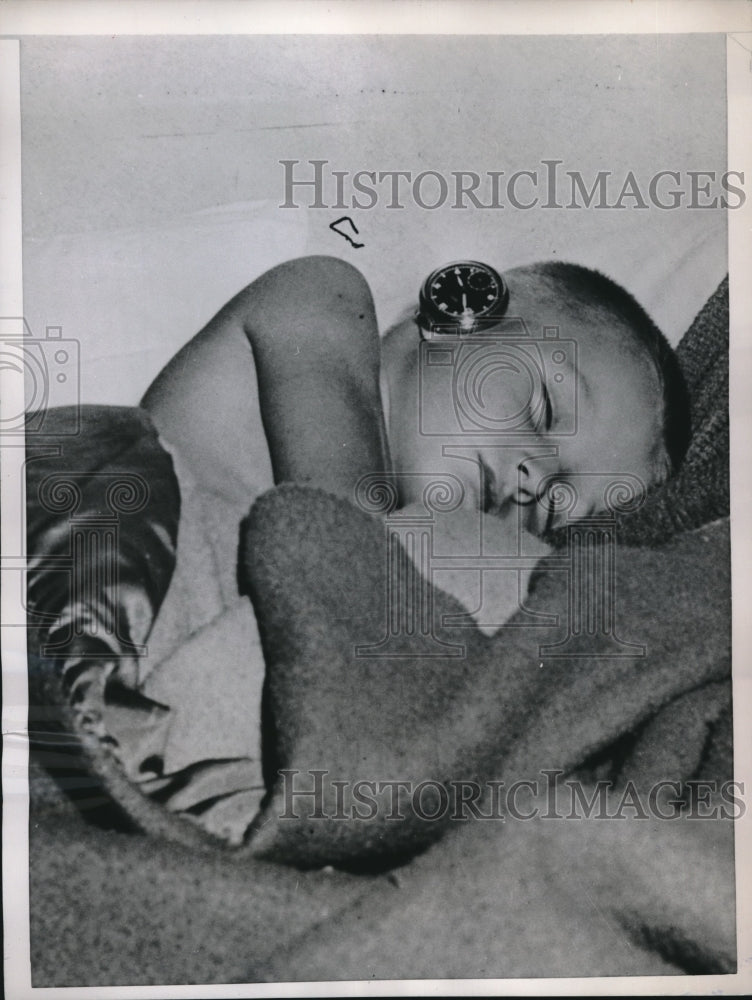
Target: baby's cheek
x=490, y=594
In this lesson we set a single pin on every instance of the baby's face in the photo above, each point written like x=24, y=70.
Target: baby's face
x=586, y=415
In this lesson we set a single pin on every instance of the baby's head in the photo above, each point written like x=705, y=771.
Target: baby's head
x=607, y=400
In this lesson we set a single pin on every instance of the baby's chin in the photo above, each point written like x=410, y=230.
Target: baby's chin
x=490, y=596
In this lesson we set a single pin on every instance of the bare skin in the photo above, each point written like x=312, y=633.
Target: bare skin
x=282, y=385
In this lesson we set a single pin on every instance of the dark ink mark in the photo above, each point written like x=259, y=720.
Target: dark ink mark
x=346, y=218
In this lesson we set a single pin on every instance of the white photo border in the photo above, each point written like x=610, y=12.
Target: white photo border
x=78, y=17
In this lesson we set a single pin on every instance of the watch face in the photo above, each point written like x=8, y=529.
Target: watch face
x=463, y=293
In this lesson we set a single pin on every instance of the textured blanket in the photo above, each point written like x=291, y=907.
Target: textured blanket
x=563, y=791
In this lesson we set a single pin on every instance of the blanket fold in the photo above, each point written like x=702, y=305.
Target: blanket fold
x=506, y=709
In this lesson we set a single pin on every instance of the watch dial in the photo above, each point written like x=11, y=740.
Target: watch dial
x=464, y=290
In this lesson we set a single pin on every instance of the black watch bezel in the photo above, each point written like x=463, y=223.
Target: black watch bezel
x=432, y=320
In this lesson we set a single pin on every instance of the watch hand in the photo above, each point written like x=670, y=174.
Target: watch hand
x=464, y=301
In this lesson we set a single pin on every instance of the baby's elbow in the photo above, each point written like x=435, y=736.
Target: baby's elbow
x=322, y=295
x=324, y=267
x=313, y=279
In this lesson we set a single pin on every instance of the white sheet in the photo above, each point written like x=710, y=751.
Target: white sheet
x=152, y=178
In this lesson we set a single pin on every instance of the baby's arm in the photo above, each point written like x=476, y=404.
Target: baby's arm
x=312, y=327
x=297, y=349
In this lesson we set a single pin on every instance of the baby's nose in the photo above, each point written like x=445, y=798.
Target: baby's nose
x=515, y=477
x=517, y=482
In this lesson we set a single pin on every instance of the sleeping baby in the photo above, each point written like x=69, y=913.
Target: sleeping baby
x=500, y=389
x=564, y=376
